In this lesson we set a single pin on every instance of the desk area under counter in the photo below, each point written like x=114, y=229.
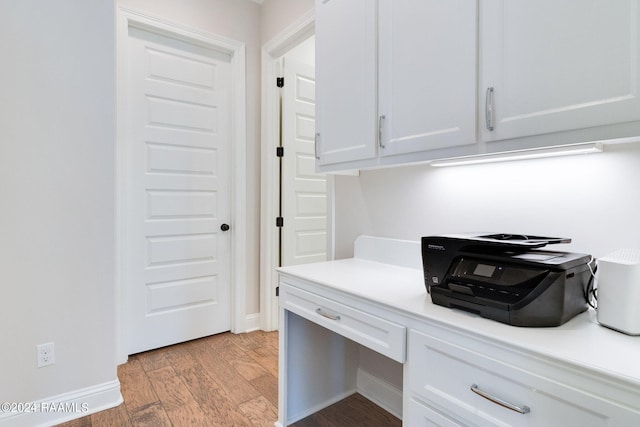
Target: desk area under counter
x=457, y=368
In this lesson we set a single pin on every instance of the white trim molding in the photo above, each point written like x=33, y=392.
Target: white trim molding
x=380, y=392
x=252, y=322
x=64, y=407
x=127, y=18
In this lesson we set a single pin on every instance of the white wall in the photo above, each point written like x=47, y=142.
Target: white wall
x=276, y=15
x=57, y=195
x=594, y=199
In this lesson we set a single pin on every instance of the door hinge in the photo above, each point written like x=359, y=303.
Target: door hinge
x=280, y=81
x=277, y=291
x=279, y=151
x=279, y=221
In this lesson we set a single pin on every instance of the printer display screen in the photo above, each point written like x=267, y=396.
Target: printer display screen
x=470, y=270
x=484, y=270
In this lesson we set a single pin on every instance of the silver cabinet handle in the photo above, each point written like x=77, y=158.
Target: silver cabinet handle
x=504, y=403
x=488, y=108
x=380, y=126
x=327, y=315
x=315, y=145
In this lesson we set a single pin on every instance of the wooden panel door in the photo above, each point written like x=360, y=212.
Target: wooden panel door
x=346, y=80
x=550, y=66
x=178, y=266
x=427, y=80
x=304, y=193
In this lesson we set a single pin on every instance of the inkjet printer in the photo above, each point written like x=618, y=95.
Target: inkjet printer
x=506, y=277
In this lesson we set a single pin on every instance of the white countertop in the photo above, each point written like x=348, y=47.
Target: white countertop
x=581, y=341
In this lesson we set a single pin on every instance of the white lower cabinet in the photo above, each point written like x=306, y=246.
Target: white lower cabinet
x=439, y=367
x=470, y=386
x=322, y=337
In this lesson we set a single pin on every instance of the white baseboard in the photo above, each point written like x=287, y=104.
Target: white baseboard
x=64, y=407
x=252, y=322
x=319, y=407
x=380, y=392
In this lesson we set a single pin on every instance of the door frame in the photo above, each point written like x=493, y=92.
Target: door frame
x=132, y=18
x=272, y=51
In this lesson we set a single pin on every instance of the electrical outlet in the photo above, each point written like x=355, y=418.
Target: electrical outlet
x=46, y=354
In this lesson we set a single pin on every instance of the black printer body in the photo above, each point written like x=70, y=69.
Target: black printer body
x=506, y=277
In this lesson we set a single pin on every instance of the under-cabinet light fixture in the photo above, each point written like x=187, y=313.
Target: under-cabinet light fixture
x=534, y=153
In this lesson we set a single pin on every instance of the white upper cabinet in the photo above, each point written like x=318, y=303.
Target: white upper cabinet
x=394, y=77
x=557, y=65
x=427, y=74
x=346, y=61
x=402, y=81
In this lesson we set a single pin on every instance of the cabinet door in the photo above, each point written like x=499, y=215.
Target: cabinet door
x=558, y=65
x=345, y=80
x=427, y=81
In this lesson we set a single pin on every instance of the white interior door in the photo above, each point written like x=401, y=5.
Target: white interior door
x=304, y=193
x=177, y=270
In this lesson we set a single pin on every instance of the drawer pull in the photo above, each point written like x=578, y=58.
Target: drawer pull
x=522, y=410
x=327, y=315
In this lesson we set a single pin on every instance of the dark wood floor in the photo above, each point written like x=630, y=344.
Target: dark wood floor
x=222, y=380
x=353, y=411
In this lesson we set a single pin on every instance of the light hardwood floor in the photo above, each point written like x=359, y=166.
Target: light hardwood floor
x=222, y=380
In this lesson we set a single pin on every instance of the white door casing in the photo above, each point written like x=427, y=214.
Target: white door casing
x=304, y=193
x=233, y=54
x=272, y=52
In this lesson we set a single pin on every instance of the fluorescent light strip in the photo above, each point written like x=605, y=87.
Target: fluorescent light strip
x=534, y=153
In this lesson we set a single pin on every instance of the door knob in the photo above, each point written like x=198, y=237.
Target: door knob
x=224, y=227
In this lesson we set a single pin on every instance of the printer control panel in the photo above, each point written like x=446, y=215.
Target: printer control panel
x=493, y=280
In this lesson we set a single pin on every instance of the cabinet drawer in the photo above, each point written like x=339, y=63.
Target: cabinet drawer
x=444, y=375
x=419, y=414
x=380, y=335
